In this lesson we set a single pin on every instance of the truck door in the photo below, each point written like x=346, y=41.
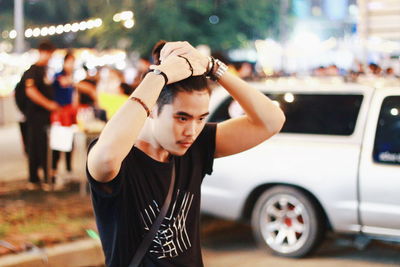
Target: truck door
x=379, y=175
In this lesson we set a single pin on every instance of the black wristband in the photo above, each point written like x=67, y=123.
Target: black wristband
x=159, y=72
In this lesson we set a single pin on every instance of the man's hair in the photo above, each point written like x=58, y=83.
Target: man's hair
x=46, y=46
x=169, y=92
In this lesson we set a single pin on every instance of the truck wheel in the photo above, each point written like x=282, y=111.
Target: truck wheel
x=287, y=222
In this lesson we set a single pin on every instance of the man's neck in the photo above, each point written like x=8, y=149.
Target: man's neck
x=155, y=152
x=149, y=145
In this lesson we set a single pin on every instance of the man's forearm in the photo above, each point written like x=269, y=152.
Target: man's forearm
x=122, y=130
x=259, y=109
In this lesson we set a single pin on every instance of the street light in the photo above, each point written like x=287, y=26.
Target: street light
x=129, y=23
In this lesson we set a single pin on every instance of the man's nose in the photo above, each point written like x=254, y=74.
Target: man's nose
x=190, y=129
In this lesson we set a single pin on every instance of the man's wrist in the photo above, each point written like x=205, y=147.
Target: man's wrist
x=218, y=70
x=210, y=66
x=158, y=73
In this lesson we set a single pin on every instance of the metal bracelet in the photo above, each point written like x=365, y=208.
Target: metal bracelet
x=221, y=69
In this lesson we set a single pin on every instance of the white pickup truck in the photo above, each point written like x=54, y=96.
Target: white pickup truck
x=335, y=166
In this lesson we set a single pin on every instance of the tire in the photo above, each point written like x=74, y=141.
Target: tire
x=287, y=222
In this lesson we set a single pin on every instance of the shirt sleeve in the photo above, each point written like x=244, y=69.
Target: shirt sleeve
x=31, y=74
x=206, y=143
x=108, y=189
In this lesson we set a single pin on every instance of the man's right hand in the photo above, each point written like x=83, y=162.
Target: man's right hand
x=176, y=69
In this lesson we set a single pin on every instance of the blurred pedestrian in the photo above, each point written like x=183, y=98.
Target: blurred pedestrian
x=157, y=149
x=142, y=67
x=39, y=105
x=389, y=73
x=86, y=89
x=374, y=69
x=87, y=94
x=126, y=89
x=64, y=90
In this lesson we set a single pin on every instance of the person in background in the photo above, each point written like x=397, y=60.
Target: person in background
x=64, y=94
x=40, y=103
x=126, y=89
x=374, y=69
x=389, y=73
x=86, y=89
x=246, y=71
x=142, y=67
x=87, y=94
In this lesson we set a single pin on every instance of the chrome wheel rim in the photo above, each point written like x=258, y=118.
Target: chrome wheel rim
x=284, y=223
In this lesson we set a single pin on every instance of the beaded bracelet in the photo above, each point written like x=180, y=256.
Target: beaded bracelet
x=141, y=103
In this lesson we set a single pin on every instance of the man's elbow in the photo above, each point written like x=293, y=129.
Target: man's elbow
x=276, y=126
x=102, y=167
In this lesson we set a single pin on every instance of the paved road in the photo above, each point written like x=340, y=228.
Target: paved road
x=13, y=163
x=231, y=244
x=226, y=243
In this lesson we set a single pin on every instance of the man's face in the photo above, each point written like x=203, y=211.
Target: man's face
x=45, y=56
x=180, y=123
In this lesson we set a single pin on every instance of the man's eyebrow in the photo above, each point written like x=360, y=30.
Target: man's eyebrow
x=182, y=113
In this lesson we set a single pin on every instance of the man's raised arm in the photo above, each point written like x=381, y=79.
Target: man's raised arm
x=262, y=118
x=122, y=130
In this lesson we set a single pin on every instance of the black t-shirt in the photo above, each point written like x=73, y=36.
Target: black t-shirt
x=38, y=73
x=126, y=207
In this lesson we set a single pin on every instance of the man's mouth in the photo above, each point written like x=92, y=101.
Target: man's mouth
x=185, y=144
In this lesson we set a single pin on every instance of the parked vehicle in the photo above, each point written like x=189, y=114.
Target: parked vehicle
x=334, y=166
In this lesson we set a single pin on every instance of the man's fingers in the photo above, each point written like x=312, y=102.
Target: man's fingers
x=170, y=47
x=179, y=52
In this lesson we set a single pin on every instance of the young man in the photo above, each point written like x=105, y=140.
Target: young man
x=130, y=165
x=39, y=104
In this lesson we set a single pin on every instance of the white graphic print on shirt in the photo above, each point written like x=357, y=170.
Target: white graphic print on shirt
x=172, y=237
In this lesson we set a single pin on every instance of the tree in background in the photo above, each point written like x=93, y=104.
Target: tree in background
x=222, y=24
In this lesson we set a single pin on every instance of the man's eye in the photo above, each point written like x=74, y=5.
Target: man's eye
x=182, y=118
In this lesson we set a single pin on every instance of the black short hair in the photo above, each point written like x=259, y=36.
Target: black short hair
x=169, y=92
x=46, y=45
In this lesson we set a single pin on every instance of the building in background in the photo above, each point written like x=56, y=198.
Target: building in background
x=326, y=18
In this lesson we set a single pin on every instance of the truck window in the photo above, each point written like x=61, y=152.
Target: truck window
x=327, y=114
x=387, y=137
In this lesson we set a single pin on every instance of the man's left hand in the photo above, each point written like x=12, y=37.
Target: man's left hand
x=197, y=59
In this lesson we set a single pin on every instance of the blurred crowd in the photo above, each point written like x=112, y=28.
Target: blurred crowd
x=50, y=101
x=252, y=71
